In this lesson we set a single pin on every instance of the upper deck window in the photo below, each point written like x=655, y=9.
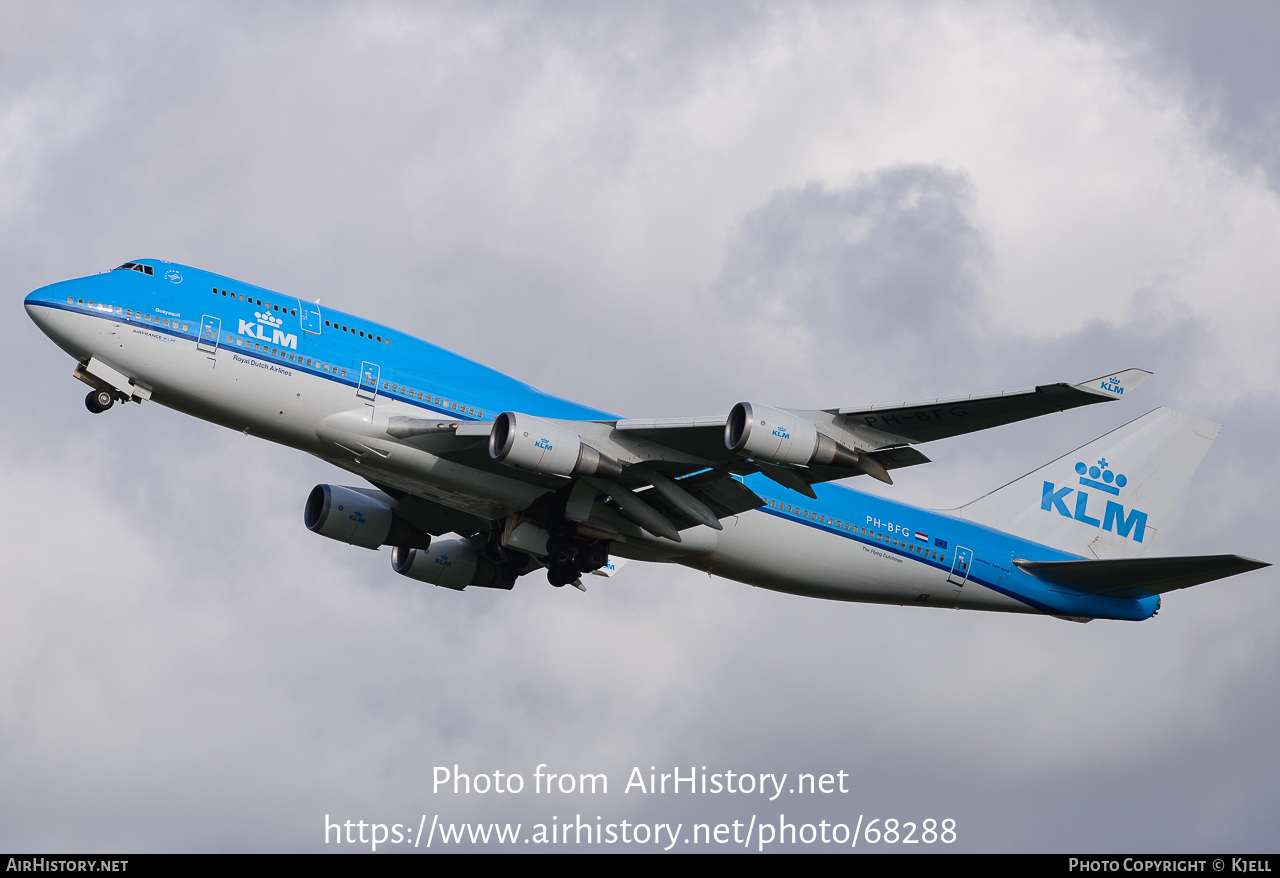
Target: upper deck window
x=136, y=266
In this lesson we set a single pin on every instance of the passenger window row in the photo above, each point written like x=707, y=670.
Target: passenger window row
x=410, y=393
x=252, y=301
x=128, y=313
x=813, y=516
x=844, y=526
x=284, y=354
x=354, y=331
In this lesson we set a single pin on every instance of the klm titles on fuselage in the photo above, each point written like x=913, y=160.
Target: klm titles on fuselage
x=1102, y=478
x=278, y=337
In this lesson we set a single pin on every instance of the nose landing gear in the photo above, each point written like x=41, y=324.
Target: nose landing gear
x=98, y=401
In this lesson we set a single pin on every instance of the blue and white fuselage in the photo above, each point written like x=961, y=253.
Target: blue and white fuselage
x=335, y=385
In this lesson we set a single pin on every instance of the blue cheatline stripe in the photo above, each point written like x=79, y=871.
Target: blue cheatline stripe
x=85, y=311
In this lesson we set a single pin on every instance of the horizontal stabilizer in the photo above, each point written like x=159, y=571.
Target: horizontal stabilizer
x=1139, y=577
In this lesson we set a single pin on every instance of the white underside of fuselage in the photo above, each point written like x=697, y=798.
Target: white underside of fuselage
x=270, y=398
x=782, y=554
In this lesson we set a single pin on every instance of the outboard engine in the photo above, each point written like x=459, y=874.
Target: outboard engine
x=774, y=436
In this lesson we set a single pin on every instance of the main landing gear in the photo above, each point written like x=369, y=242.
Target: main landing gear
x=568, y=558
x=98, y=401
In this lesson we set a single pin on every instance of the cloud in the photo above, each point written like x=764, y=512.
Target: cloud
x=660, y=211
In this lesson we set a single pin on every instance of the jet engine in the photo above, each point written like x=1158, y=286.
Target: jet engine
x=538, y=445
x=450, y=564
x=361, y=518
x=774, y=436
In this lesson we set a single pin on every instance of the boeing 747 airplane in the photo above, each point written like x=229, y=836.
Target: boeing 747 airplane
x=526, y=481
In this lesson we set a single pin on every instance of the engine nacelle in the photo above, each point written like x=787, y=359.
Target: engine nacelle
x=774, y=436
x=351, y=516
x=448, y=563
x=770, y=434
x=540, y=446
x=348, y=516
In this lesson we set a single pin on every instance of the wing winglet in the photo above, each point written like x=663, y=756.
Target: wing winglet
x=1114, y=385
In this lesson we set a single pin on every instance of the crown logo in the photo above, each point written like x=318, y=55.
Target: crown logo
x=1101, y=477
x=268, y=318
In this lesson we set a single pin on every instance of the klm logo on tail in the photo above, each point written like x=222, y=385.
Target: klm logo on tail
x=1100, y=478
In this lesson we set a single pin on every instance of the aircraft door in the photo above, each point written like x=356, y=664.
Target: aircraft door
x=309, y=314
x=209, y=329
x=368, y=388
x=960, y=566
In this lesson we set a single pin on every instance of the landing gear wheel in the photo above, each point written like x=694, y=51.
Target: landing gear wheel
x=593, y=557
x=561, y=574
x=98, y=401
x=559, y=528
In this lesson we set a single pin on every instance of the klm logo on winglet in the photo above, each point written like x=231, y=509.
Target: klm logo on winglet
x=1101, y=478
x=1111, y=385
x=277, y=337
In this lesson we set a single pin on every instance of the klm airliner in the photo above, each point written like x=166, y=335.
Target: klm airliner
x=476, y=479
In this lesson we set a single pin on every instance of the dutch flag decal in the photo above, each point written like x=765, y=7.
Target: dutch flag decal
x=924, y=538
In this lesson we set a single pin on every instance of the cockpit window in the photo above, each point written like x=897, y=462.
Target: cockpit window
x=135, y=266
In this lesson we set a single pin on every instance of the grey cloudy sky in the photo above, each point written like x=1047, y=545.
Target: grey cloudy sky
x=660, y=209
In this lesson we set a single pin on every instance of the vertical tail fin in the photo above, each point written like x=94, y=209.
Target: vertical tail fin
x=1106, y=499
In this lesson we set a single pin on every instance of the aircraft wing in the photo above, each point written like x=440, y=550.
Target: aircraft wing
x=875, y=427
x=671, y=473
x=927, y=420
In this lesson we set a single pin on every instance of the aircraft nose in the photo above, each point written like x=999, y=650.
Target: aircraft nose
x=37, y=310
x=43, y=304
